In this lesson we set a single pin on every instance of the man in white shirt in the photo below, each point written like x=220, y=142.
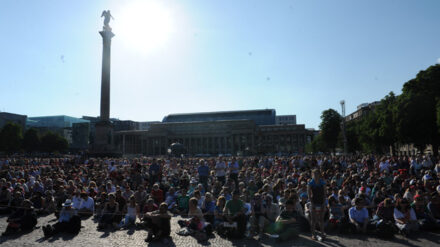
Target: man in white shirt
x=87, y=205
x=76, y=200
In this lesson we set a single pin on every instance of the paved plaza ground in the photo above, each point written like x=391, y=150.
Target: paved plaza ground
x=89, y=236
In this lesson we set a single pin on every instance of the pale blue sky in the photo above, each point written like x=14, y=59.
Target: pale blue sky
x=298, y=57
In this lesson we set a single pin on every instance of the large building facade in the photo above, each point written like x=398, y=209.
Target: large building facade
x=65, y=126
x=235, y=133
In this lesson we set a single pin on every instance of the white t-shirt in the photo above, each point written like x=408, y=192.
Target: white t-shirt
x=400, y=215
x=220, y=169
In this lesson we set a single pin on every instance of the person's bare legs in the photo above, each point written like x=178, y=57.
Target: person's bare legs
x=312, y=222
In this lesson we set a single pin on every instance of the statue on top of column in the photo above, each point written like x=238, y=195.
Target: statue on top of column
x=106, y=14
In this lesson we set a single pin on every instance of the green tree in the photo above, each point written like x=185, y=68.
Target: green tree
x=11, y=138
x=368, y=133
x=51, y=142
x=385, y=134
x=330, y=127
x=352, y=133
x=417, y=110
x=31, y=140
x=316, y=145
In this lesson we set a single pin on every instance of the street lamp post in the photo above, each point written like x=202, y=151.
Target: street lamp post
x=342, y=102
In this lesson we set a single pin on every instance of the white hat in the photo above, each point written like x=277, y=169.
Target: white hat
x=68, y=203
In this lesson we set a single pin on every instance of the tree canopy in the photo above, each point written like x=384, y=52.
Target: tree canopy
x=412, y=117
x=10, y=138
x=330, y=128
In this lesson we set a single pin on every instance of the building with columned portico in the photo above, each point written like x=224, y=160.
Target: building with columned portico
x=231, y=132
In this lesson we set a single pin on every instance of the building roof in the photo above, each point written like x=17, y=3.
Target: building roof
x=266, y=116
x=224, y=112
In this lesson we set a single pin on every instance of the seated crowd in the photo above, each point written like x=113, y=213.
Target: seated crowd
x=279, y=197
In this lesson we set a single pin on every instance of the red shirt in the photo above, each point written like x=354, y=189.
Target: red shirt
x=157, y=196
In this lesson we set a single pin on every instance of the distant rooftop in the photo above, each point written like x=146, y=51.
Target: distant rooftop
x=260, y=117
x=57, y=121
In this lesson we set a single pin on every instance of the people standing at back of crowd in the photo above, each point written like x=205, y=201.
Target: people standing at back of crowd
x=153, y=171
x=233, y=171
x=203, y=171
x=220, y=171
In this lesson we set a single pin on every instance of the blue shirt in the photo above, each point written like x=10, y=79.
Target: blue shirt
x=203, y=170
x=210, y=207
x=358, y=215
x=65, y=215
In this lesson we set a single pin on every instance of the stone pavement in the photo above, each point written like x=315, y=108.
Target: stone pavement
x=89, y=236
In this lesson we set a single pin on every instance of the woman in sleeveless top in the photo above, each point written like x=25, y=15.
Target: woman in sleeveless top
x=131, y=211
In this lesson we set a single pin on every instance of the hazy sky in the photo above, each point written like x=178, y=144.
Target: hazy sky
x=298, y=57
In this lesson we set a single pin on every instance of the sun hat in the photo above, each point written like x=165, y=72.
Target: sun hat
x=68, y=203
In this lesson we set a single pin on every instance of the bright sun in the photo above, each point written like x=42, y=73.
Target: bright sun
x=144, y=25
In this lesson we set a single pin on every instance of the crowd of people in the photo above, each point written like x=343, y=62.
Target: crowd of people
x=236, y=197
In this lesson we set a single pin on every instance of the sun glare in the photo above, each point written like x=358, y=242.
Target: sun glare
x=144, y=25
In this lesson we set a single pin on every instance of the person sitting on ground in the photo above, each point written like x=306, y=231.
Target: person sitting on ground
x=131, y=212
x=87, y=205
x=38, y=202
x=111, y=215
x=170, y=198
x=287, y=225
x=182, y=202
x=50, y=204
x=100, y=204
x=158, y=223
x=120, y=199
x=434, y=207
x=208, y=208
x=141, y=196
x=219, y=217
x=358, y=215
x=76, y=199
x=5, y=197
x=336, y=213
x=385, y=210
x=67, y=222
x=23, y=218
x=235, y=213
x=150, y=206
x=197, y=221
x=405, y=217
x=16, y=201
x=157, y=194
x=424, y=217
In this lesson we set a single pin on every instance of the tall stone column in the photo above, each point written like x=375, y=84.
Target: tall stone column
x=107, y=36
x=104, y=143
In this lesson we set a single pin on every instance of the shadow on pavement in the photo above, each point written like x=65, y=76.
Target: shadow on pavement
x=14, y=236
x=168, y=242
x=63, y=236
